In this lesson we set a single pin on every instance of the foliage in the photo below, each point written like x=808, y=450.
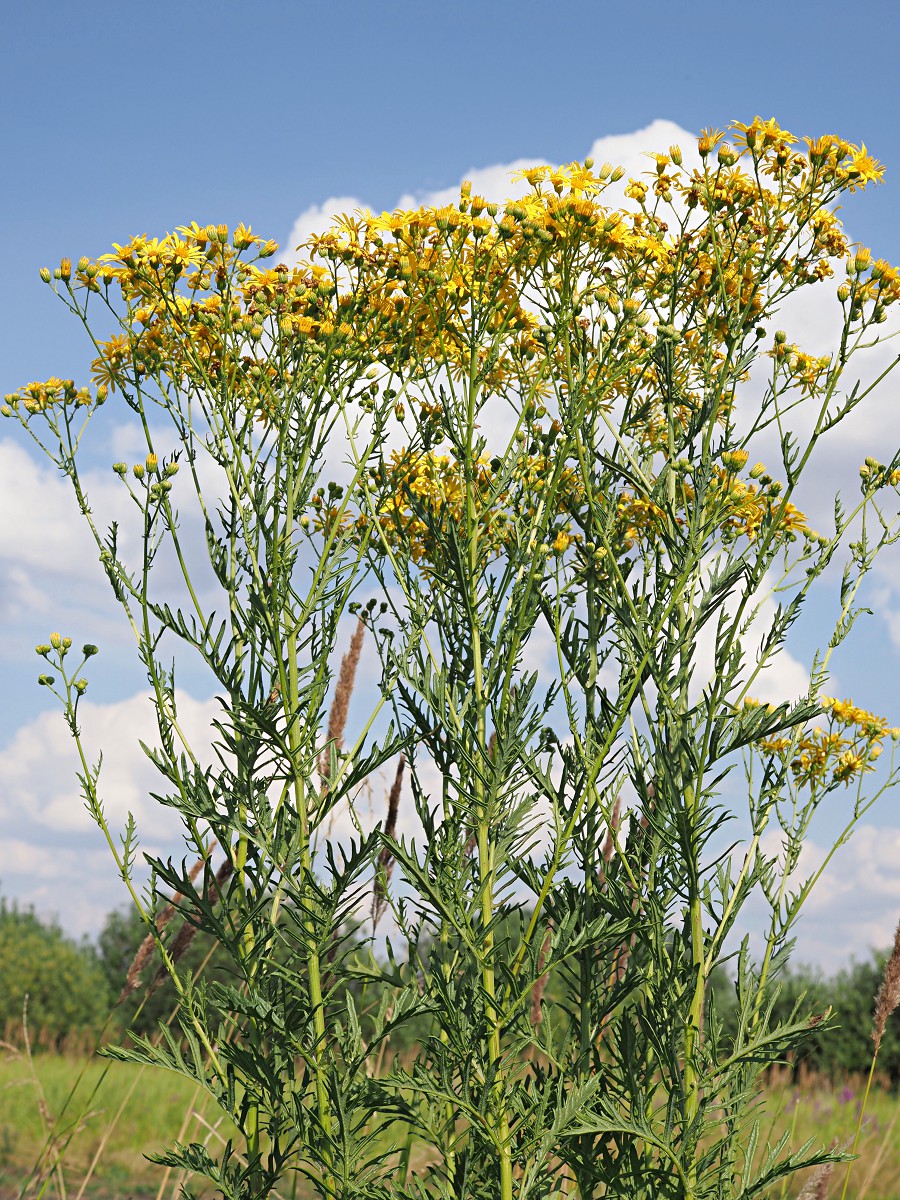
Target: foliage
x=843, y=1047
x=61, y=979
x=548, y=415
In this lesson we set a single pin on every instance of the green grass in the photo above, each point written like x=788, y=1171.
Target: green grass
x=828, y=1112
x=159, y=1107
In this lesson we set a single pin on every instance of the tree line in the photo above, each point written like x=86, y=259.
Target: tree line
x=73, y=987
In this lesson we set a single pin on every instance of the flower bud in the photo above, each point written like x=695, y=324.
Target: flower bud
x=65, y=269
x=42, y=649
x=152, y=464
x=81, y=686
x=83, y=264
x=138, y=470
x=222, y=234
x=588, y=164
x=45, y=274
x=757, y=469
x=55, y=641
x=675, y=155
x=120, y=468
x=67, y=643
x=46, y=680
x=843, y=293
x=780, y=337
x=89, y=650
x=172, y=468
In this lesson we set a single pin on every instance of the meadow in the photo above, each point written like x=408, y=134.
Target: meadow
x=122, y=1111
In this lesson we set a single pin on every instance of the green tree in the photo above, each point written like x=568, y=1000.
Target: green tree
x=63, y=980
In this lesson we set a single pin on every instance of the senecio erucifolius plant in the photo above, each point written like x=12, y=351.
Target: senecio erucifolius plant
x=571, y=440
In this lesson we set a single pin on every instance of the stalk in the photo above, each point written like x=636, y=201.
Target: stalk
x=486, y=847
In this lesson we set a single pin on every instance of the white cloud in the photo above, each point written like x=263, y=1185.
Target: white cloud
x=55, y=857
x=45, y=533
x=783, y=678
x=854, y=907
x=38, y=765
x=626, y=150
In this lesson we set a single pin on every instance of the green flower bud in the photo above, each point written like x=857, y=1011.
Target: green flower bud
x=120, y=469
x=89, y=650
x=46, y=680
x=55, y=641
x=42, y=649
x=45, y=274
x=81, y=686
x=172, y=468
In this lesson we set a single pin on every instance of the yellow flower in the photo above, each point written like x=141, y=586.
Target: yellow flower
x=864, y=167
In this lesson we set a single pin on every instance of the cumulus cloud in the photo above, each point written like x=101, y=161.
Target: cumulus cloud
x=55, y=857
x=854, y=907
x=493, y=182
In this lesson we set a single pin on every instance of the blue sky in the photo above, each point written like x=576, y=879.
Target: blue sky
x=120, y=118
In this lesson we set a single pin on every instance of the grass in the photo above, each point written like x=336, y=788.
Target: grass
x=157, y=1107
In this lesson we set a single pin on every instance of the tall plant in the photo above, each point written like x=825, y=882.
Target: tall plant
x=547, y=409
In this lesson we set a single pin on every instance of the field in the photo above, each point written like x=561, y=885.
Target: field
x=126, y=1111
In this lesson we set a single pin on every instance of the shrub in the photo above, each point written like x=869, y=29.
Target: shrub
x=545, y=412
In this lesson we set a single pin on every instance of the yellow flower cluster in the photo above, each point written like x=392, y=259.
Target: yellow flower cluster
x=401, y=289
x=37, y=397
x=845, y=750
x=551, y=293
x=423, y=493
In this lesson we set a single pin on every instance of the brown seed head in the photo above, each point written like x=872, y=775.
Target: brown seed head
x=386, y=858
x=888, y=997
x=340, y=705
